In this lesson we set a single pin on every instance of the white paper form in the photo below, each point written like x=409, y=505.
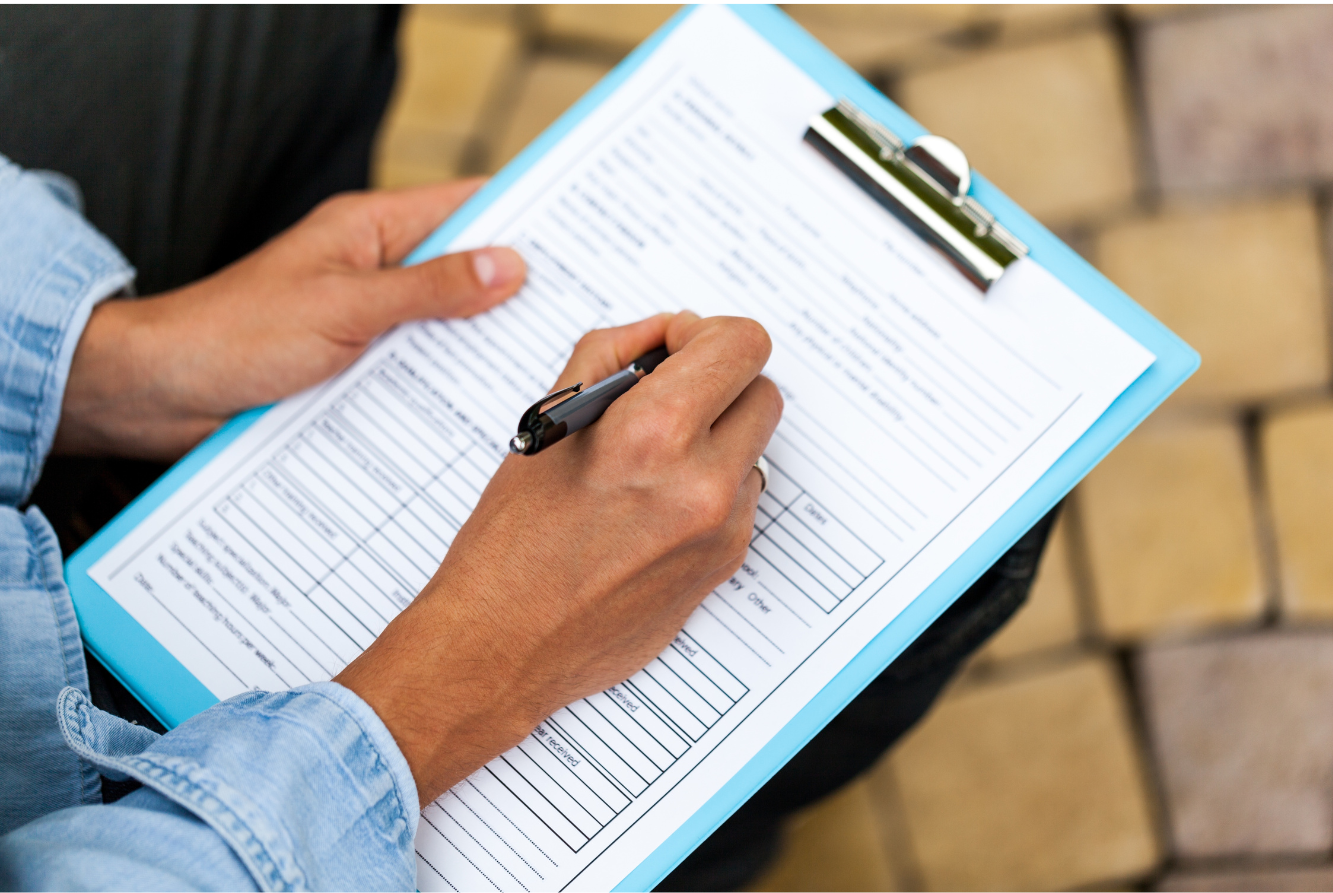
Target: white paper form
x=917, y=411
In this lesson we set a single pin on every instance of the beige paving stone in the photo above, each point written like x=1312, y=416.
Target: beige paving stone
x=1170, y=540
x=485, y=12
x=1242, y=283
x=619, y=25
x=890, y=47
x=888, y=15
x=1242, y=730
x=1050, y=126
x=1030, y=783
x=414, y=159
x=1050, y=617
x=1294, y=879
x=1024, y=20
x=1298, y=465
x=1151, y=12
x=896, y=37
x=549, y=86
x=450, y=68
x=833, y=845
x=1240, y=97
x=941, y=16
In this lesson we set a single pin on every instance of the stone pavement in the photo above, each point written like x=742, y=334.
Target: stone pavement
x=1161, y=714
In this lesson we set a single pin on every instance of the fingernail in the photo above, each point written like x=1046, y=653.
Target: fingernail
x=496, y=266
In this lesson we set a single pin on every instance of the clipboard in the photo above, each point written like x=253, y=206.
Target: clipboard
x=173, y=694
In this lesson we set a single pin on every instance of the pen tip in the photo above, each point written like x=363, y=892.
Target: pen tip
x=520, y=442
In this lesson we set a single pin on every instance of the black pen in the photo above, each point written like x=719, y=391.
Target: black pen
x=540, y=428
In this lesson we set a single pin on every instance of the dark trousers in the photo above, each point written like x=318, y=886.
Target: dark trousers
x=198, y=133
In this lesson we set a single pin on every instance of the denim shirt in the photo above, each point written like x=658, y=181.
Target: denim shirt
x=275, y=791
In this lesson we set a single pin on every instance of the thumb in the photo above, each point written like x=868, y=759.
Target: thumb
x=604, y=352
x=454, y=285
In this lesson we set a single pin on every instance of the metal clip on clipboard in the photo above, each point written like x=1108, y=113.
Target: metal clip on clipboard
x=925, y=185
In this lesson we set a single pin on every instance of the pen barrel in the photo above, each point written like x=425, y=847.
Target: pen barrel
x=539, y=429
x=585, y=408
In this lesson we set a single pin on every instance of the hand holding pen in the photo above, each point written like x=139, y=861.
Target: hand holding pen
x=540, y=427
x=581, y=562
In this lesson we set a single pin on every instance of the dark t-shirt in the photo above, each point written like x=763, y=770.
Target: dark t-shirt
x=195, y=133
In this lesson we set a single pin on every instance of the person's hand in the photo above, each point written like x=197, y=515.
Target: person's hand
x=582, y=562
x=152, y=377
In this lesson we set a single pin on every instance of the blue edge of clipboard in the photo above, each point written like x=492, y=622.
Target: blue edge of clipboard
x=174, y=695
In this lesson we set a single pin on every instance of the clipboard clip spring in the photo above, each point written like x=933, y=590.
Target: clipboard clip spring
x=925, y=184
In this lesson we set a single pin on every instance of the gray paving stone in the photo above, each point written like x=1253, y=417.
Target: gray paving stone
x=1242, y=730
x=1241, y=97
x=1309, y=878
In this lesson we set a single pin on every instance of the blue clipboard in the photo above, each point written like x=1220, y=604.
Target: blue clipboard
x=145, y=667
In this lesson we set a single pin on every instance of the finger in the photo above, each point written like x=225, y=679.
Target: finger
x=742, y=432
x=753, y=486
x=736, y=535
x=683, y=326
x=441, y=288
x=733, y=542
x=604, y=352
x=712, y=361
x=406, y=216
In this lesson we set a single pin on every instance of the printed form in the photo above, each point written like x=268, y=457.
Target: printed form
x=917, y=411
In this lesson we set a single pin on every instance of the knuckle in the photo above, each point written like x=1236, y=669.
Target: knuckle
x=650, y=434
x=730, y=550
x=593, y=342
x=709, y=505
x=342, y=204
x=740, y=546
x=773, y=395
x=737, y=559
x=676, y=409
x=750, y=337
x=665, y=431
x=435, y=286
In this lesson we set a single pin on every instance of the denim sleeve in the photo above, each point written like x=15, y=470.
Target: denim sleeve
x=54, y=268
x=298, y=790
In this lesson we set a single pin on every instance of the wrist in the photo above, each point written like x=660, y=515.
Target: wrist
x=449, y=697
x=124, y=395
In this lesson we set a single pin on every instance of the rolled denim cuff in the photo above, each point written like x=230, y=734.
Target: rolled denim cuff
x=54, y=268
x=307, y=787
x=40, y=654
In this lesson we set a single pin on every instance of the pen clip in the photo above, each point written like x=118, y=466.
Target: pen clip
x=535, y=410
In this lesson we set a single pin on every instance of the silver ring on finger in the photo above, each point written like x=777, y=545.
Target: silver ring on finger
x=761, y=466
